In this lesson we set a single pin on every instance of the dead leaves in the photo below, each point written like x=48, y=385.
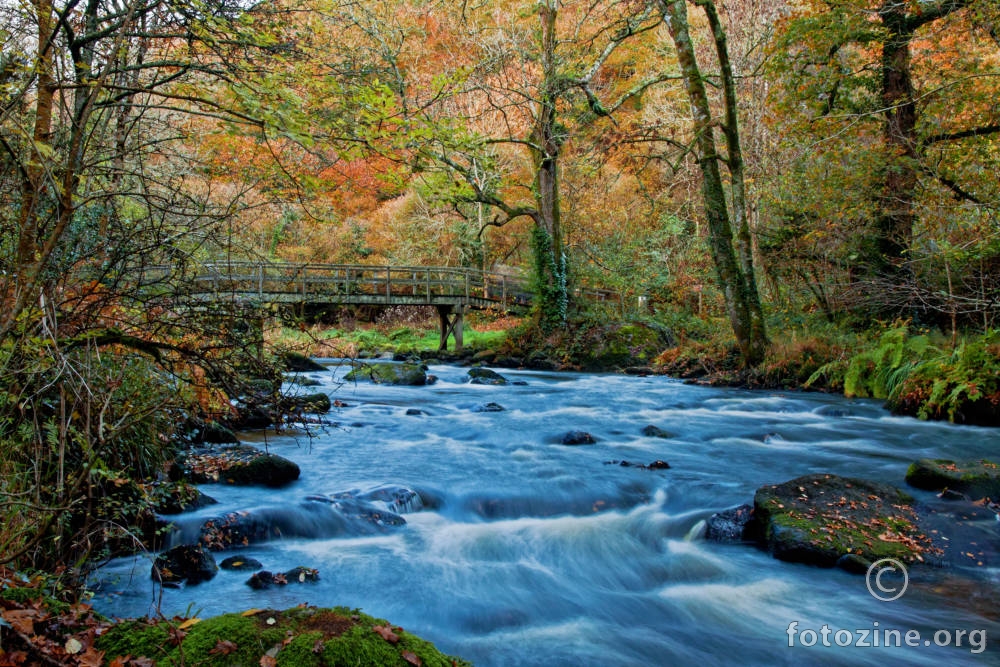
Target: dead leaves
x=387, y=633
x=40, y=636
x=224, y=647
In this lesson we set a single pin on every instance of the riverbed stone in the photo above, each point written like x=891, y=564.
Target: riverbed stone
x=316, y=518
x=240, y=464
x=315, y=403
x=486, y=376
x=177, y=497
x=405, y=374
x=241, y=563
x=731, y=525
x=188, y=563
x=816, y=519
x=577, y=438
x=489, y=407
x=652, y=431
x=217, y=434
x=976, y=479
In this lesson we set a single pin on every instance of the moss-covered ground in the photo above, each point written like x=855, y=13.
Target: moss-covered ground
x=299, y=637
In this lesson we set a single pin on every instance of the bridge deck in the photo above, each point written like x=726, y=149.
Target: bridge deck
x=356, y=284
x=452, y=290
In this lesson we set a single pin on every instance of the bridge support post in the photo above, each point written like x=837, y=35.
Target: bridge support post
x=452, y=319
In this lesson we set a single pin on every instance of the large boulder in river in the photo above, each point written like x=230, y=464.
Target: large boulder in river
x=389, y=373
x=486, y=376
x=240, y=464
x=188, y=562
x=977, y=479
x=817, y=519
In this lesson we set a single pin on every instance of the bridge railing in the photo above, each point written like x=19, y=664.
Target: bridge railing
x=388, y=284
x=260, y=281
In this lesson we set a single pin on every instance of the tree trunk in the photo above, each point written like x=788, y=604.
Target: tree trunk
x=895, y=218
x=737, y=172
x=550, y=260
x=735, y=275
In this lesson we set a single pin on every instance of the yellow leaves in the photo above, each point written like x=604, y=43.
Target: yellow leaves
x=189, y=623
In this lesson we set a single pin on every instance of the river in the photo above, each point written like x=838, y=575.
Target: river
x=530, y=552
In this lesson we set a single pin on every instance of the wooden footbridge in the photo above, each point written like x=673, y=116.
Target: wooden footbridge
x=452, y=290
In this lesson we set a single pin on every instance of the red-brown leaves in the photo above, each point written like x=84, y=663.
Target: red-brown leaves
x=387, y=634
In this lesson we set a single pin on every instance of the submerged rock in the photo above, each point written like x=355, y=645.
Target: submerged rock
x=577, y=438
x=185, y=563
x=976, y=479
x=317, y=517
x=240, y=563
x=655, y=465
x=486, y=376
x=652, y=431
x=489, y=407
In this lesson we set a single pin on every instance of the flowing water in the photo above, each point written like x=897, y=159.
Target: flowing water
x=524, y=551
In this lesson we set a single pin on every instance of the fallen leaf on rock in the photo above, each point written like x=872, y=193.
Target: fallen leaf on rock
x=412, y=658
x=268, y=661
x=73, y=646
x=189, y=623
x=253, y=612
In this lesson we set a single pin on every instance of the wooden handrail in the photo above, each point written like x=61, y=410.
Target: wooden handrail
x=383, y=284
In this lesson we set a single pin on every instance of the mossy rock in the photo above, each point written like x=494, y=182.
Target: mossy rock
x=299, y=637
x=315, y=403
x=817, y=519
x=486, y=376
x=621, y=345
x=977, y=479
x=389, y=373
x=215, y=433
x=187, y=562
x=243, y=465
x=300, y=363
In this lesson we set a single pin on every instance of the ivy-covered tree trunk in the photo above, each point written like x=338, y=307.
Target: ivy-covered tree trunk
x=734, y=271
x=550, y=260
